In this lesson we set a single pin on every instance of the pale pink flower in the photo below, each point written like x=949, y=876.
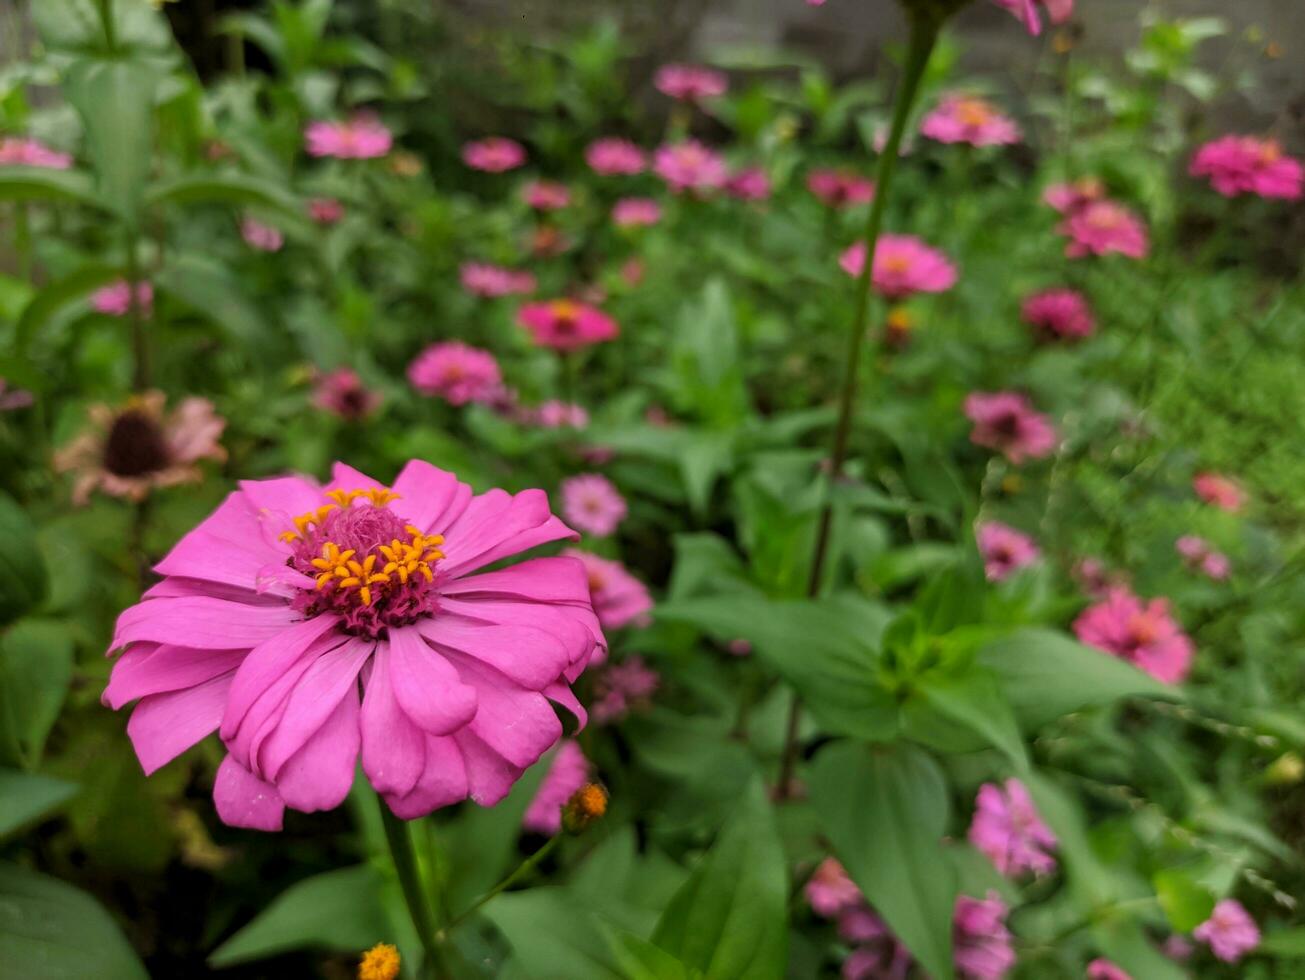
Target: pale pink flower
x=968, y=119
x=1005, y=550
x=612, y=157
x=316, y=627
x=1220, y=491
x=491, y=281
x=115, y=299
x=622, y=687
x=564, y=324
x=840, y=188
x=456, y=372
x=592, y=504
x=261, y=237
x=495, y=154
x=690, y=83
x=830, y=891
x=546, y=195
x=984, y=947
x=1247, y=165
x=15, y=151
x=1059, y=314
x=1102, y=227
x=1009, y=830
x=1230, y=932
x=1006, y=422
x=903, y=266
x=690, y=166
x=325, y=210
x=558, y=415
x=619, y=598
x=1200, y=554
x=361, y=138
x=749, y=184
x=343, y=393
x=1103, y=969
x=1070, y=197
x=636, y=212
x=568, y=771
x=1177, y=948
x=1145, y=635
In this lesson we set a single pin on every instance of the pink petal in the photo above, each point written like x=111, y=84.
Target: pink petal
x=393, y=748
x=175, y=587
x=496, y=525
x=489, y=776
x=163, y=726
x=443, y=780
x=539, y=580
x=563, y=695
x=429, y=496
x=287, y=495
x=145, y=669
x=518, y=724
x=345, y=477
x=243, y=800
x=576, y=629
x=320, y=775
x=226, y=547
x=428, y=689
x=200, y=621
x=530, y=657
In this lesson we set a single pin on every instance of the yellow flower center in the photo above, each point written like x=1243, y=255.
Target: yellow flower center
x=381, y=962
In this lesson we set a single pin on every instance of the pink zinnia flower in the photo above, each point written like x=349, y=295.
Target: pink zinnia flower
x=568, y=771
x=16, y=151
x=1220, y=491
x=690, y=83
x=1103, y=969
x=546, y=195
x=290, y=597
x=494, y=154
x=903, y=266
x=690, y=166
x=749, y=184
x=1143, y=634
x=1027, y=11
x=619, y=598
x=969, y=119
x=619, y=688
x=1101, y=227
x=483, y=279
x=984, y=947
x=558, y=415
x=1009, y=830
x=262, y=237
x=1200, y=554
x=1005, y=550
x=611, y=157
x=830, y=891
x=325, y=210
x=456, y=372
x=840, y=188
x=592, y=504
x=115, y=299
x=636, y=212
x=1230, y=932
x=1247, y=165
x=1066, y=198
x=1006, y=422
x=564, y=324
x=343, y=393
x=361, y=138
x=1059, y=314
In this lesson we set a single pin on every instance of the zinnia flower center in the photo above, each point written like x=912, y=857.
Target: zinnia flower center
x=566, y=315
x=135, y=445
x=972, y=112
x=1143, y=629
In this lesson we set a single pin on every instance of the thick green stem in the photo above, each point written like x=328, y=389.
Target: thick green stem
x=23, y=240
x=140, y=348
x=924, y=34
x=524, y=868
x=405, y=864
x=110, y=28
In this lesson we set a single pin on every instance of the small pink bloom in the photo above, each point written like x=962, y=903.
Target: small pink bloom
x=1220, y=491
x=1008, y=829
x=968, y=119
x=568, y=771
x=1067, y=198
x=840, y=188
x=984, y=947
x=690, y=83
x=483, y=279
x=564, y=324
x=1178, y=948
x=622, y=687
x=1102, y=227
x=456, y=372
x=12, y=399
x=739, y=647
x=830, y=891
x=494, y=154
x=1103, y=969
x=619, y=598
x=1143, y=634
x=612, y=157
x=1247, y=165
x=558, y=415
x=115, y=300
x=632, y=271
x=636, y=212
x=16, y=151
x=1093, y=577
x=1005, y=550
x=903, y=266
x=1006, y=422
x=1230, y=932
x=343, y=393
x=361, y=138
x=1200, y=554
x=325, y=210
x=546, y=195
x=592, y=504
x=263, y=238
x=749, y=184
x=1059, y=314
x=1027, y=11
x=690, y=166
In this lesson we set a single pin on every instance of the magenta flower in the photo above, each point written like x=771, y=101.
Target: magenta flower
x=840, y=188
x=1103, y=969
x=903, y=266
x=690, y=83
x=568, y=771
x=621, y=688
x=1006, y=422
x=1199, y=554
x=1247, y=165
x=325, y=210
x=564, y=324
x=984, y=947
x=263, y=238
x=1101, y=227
x=1027, y=11
x=749, y=184
x=495, y=154
x=115, y=299
x=592, y=504
x=1143, y=634
x=491, y=281
x=290, y=597
x=1005, y=550
x=619, y=598
x=611, y=157
x=1008, y=829
x=558, y=415
x=361, y=138
x=456, y=372
x=636, y=212
x=1067, y=198
x=1230, y=932
x=546, y=195
x=15, y=151
x=1059, y=314
x=830, y=891
x=969, y=119
x=341, y=392
x=690, y=166
x=1220, y=491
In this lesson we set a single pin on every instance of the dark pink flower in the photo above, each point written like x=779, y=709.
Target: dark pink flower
x=1247, y=165
x=830, y=891
x=636, y=212
x=325, y=210
x=1220, y=491
x=1102, y=227
x=568, y=771
x=690, y=166
x=1103, y=969
x=619, y=598
x=903, y=266
x=564, y=324
x=622, y=687
x=969, y=119
x=115, y=299
x=840, y=188
x=749, y=184
x=456, y=372
x=343, y=393
x=1067, y=198
x=16, y=151
x=1059, y=314
x=612, y=157
x=1005, y=550
x=1006, y=422
x=1027, y=11
x=1144, y=634
x=592, y=504
x=1009, y=830
x=984, y=947
x=493, y=154
x=546, y=195
x=361, y=138
x=1230, y=932
x=690, y=83
x=491, y=281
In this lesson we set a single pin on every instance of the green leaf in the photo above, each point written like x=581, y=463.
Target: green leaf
x=554, y=934
x=36, y=666
x=1186, y=902
x=337, y=910
x=638, y=959
x=885, y=810
x=41, y=184
x=115, y=99
x=1284, y=943
x=210, y=289
x=1089, y=879
x=239, y=190
x=972, y=700
x=58, y=296
x=1123, y=940
x=54, y=931
x=25, y=797
x=729, y=919
x=23, y=577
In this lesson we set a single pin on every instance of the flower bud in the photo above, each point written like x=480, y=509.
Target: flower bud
x=381, y=962
x=585, y=808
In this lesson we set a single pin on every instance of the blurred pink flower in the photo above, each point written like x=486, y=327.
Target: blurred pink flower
x=325, y=210
x=12, y=399
x=1230, y=932
x=1177, y=947
x=592, y=504
x=739, y=647
x=903, y=266
x=1094, y=578
x=546, y=195
x=1103, y=969
x=830, y=891
x=622, y=687
x=361, y=138
x=263, y=238
x=690, y=166
x=1009, y=830
x=1027, y=11
x=1101, y=227
x=1005, y=550
x=1143, y=634
x=456, y=372
x=1059, y=314
x=1247, y=165
x=494, y=154
x=636, y=212
x=969, y=119
x=749, y=184
x=632, y=271
x=840, y=188
x=564, y=324
x=1006, y=422
x=559, y=415
x=984, y=947
x=568, y=771
x=612, y=156
x=1219, y=490
x=619, y=598
x=1200, y=554
x=690, y=83
x=115, y=299
x=15, y=151
x=491, y=281
x=343, y=393
x=1066, y=198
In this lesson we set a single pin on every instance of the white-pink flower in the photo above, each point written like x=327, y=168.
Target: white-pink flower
x=592, y=504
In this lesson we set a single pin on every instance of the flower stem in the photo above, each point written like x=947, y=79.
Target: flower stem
x=139, y=341
x=924, y=34
x=110, y=28
x=405, y=863
x=524, y=868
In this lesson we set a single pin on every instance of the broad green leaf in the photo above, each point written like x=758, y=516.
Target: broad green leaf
x=51, y=930
x=554, y=934
x=1186, y=902
x=885, y=811
x=115, y=99
x=58, y=296
x=638, y=959
x=238, y=190
x=36, y=666
x=1089, y=879
x=25, y=797
x=77, y=26
x=1123, y=940
x=971, y=700
x=337, y=910
x=729, y=919
x=41, y=184
x=210, y=289
x=1284, y=943
x=23, y=577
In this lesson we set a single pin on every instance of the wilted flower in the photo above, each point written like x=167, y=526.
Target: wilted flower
x=267, y=625
x=690, y=83
x=969, y=119
x=1230, y=932
x=622, y=687
x=830, y=891
x=1220, y=491
x=115, y=299
x=1247, y=165
x=483, y=279
x=559, y=415
x=129, y=451
x=361, y=138
x=612, y=156
x=381, y=962
x=984, y=947
x=690, y=166
x=1143, y=634
x=1067, y=198
x=592, y=504
x=564, y=324
x=619, y=598
x=15, y=151
x=1103, y=969
x=1006, y=422
x=903, y=266
x=1200, y=554
x=1005, y=550
x=840, y=188
x=494, y=154
x=343, y=393
x=259, y=236
x=586, y=806
x=456, y=372
x=1059, y=314
x=1102, y=227
x=568, y=771
x=546, y=195
x=1009, y=830
x=325, y=210
x=749, y=184
x=635, y=212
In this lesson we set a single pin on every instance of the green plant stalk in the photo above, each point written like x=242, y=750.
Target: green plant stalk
x=524, y=868
x=924, y=35
x=110, y=29
x=23, y=240
x=399, y=839
x=140, y=347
